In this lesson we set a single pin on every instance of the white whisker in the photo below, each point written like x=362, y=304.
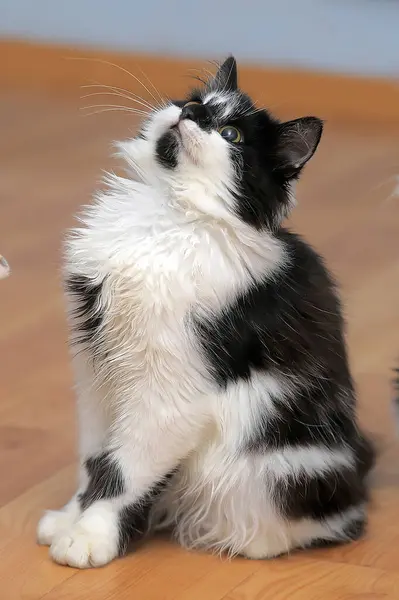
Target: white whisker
x=114, y=88
x=109, y=108
x=117, y=94
x=116, y=66
x=161, y=99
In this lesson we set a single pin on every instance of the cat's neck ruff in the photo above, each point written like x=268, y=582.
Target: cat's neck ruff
x=188, y=211
x=133, y=223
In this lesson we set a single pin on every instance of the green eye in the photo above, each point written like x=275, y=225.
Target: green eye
x=231, y=134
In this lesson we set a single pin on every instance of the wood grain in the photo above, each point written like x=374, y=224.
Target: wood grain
x=331, y=96
x=50, y=162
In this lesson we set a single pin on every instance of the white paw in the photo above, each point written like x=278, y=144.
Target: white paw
x=53, y=523
x=91, y=542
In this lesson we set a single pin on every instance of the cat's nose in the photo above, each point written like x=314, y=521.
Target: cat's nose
x=199, y=113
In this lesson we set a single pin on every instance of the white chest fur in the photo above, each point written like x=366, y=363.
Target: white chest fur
x=157, y=263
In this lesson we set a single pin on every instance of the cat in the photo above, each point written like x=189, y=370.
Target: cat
x=214, y=394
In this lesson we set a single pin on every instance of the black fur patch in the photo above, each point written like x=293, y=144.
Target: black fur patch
x=323, y=495
x=105, y=480
x=167, y=149
x=263, y=194
x=320, y=496
x=304, y=421
x=133, y=519
x=290, y=322
x=87, y=307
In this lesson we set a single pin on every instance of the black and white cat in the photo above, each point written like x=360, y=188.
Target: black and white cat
x=214, y=393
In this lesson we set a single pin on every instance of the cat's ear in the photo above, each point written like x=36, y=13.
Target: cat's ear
x=297, y=142
x=226, y=76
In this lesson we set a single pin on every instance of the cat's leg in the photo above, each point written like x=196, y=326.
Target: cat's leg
x=319, y=495
x=262, y=504
x=306, y=533
x=93, y=420
x=146, y=443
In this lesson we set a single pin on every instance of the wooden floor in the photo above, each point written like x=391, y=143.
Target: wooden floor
x=50, y=161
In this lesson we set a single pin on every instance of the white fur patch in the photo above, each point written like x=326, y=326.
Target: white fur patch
x=309, y=460
x=55, y=522
x=225, y=100
x=91, y=542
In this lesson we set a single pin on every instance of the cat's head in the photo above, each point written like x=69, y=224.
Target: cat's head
x=220, y=153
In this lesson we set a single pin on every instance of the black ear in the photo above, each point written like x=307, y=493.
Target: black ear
x=297, y=142
x=226, y=77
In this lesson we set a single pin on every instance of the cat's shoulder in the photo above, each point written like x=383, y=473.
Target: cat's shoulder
x=305, y=263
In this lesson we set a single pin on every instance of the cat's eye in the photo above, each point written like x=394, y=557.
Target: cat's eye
x=190, y=103
x=231, y=134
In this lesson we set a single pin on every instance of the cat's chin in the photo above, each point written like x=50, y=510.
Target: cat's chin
x=190, y=138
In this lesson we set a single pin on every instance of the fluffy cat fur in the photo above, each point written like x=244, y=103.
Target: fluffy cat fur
x=214, y=393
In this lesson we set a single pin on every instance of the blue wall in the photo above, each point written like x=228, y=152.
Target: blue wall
x=358, y=36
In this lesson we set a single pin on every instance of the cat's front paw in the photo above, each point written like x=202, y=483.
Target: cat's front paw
x=91, y=542
x=52, y=524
